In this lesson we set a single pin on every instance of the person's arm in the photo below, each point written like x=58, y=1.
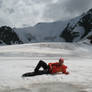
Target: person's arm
x=64, y=70
x=50, y=67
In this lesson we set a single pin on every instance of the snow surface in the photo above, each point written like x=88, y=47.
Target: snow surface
x=18, y=59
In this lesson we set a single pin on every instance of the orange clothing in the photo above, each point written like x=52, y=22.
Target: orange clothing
x=56, y=67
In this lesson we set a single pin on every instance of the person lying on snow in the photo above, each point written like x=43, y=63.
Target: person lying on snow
x=51, y=68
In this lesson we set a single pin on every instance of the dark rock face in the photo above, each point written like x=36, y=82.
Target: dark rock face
x=90, y=38
x=68, y=34
x=85, y=21
x=8, y=36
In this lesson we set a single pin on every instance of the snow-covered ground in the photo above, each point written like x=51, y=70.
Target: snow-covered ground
x=18, y=59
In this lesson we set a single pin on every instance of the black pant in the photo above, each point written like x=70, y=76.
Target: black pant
x=44, y=66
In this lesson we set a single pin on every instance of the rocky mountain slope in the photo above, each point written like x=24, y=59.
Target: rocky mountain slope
x=78, y=28
x=8, y=36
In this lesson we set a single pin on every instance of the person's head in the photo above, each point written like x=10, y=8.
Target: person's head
x=61, y=61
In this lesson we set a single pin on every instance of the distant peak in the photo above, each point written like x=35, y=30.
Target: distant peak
x=90, y=10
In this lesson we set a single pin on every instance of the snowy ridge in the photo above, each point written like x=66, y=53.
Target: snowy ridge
x=42, y=32
x=78, y=28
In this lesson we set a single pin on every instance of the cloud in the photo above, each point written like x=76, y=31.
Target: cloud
x=22, y=12
x=78, y=5
x=30, y=12
x=67, y=9
x=0, y=3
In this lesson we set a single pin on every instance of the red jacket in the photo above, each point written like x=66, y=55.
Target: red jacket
x=56, y=67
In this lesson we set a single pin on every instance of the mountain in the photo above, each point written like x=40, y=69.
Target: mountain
x=8, y=36
x=76, y=29
x=42, y=32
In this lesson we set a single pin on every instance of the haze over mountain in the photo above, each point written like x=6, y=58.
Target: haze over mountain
x=76, y=29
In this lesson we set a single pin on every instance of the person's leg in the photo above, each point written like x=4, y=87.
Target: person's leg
x=41, y=64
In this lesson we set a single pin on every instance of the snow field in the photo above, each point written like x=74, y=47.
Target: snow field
x=18, y=59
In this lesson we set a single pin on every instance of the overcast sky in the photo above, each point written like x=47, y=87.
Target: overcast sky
x=18, y=13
